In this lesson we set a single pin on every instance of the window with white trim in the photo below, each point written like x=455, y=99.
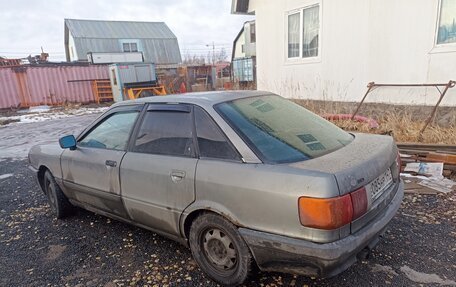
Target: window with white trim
x=447, y=22
x=130, y=47
x=303, y=33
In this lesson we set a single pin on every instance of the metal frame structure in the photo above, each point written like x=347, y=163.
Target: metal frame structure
x=136, y=92
x=372, y=86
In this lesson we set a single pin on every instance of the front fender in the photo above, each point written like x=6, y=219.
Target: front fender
x=47, y=156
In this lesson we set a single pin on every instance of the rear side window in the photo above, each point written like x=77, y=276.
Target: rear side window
x=211, y=141
x=112, y=133
x=166, y=133
x=281, y=131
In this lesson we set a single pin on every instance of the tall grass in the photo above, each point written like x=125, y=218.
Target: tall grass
x=402, y=122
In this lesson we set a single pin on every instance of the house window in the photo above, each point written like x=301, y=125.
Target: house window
x=303, y=33
x=130, y=47
x=243, y=48
x=447, y=22
x=293, y=35
x=252, y=33
x=310, y=31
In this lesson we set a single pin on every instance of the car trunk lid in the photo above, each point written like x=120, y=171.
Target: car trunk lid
x=369, y=163
x=357, y=164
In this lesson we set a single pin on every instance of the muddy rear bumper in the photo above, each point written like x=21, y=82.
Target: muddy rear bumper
x=284, y=254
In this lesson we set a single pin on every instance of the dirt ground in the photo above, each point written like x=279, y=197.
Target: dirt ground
x=419, y=249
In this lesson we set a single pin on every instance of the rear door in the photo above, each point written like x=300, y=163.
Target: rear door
x=91, y=172
x=157, y=174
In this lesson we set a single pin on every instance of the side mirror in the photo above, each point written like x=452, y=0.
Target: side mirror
x=68, y=142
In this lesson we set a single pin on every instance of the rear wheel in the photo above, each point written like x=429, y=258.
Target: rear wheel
x=57, y=200
x=219, y=250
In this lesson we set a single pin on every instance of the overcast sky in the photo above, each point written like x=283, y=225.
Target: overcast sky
x=27, y=25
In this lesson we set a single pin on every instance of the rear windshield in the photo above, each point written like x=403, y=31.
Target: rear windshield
x=281, y=131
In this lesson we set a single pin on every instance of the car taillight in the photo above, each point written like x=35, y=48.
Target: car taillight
x=325, y=213
x=332, y=213
x=359, y=202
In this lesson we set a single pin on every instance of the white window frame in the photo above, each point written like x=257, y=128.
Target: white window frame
x=129, y=42
x=300, y=59
x=444, y=47
x=130, y=50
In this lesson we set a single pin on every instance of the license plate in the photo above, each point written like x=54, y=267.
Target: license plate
x=380, y=184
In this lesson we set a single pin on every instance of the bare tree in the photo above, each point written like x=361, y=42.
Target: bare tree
x=194, y=59
x=221, y=55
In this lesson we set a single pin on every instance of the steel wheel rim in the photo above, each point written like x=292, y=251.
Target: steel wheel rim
x=219, y=249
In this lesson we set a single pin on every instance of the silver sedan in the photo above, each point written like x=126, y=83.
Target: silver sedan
x=242, y=178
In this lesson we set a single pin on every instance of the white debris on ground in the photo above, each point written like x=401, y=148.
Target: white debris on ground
x=5, y=176
x=16, y=139
x=427, y=175
x=433, y=169
x=436, y=183
x=44, y=113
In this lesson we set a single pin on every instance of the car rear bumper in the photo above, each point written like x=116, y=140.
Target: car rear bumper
x=284, y=254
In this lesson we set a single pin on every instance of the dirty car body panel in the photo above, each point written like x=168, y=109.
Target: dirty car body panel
x=158, y=176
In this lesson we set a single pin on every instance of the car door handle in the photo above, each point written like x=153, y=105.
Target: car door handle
x=177, y=175
x=112, y=163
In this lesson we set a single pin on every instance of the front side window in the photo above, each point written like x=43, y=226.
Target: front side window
x=303, y=33
x=166, y=133
x=111, y=133
x=281, y=131
x=447, y=22
x=211, y=141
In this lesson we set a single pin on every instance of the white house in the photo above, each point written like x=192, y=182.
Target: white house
x=244, y=54
x=330, y=50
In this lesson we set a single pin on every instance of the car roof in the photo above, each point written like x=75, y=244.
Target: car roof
x=200, y=98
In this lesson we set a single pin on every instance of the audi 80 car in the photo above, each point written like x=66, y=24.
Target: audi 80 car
x=242, y=178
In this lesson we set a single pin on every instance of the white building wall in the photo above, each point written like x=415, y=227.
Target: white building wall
x=72, y=49
x=386, y=41
x=238, y=47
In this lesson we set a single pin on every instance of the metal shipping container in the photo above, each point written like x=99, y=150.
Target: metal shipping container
x=26, y=86
x=121, y=74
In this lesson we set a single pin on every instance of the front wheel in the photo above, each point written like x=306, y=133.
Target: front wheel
x=219, y=250
x=57, y=200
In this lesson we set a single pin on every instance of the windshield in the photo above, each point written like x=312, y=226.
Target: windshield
x=281, y=131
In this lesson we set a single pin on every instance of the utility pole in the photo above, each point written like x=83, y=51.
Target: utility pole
x=213, y=52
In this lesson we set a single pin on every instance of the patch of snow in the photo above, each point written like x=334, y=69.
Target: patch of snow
x=425, y=278
x=386, y=269
x=42, y=116
x=4, y=176
x=39, y=109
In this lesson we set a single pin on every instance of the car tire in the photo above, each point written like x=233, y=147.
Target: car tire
x=219, y=250
x=57, y=200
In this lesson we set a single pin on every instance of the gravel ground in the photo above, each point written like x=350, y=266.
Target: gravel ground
x=91, y=250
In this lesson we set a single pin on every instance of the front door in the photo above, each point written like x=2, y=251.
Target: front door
x=157, y=174
x=91, y=171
